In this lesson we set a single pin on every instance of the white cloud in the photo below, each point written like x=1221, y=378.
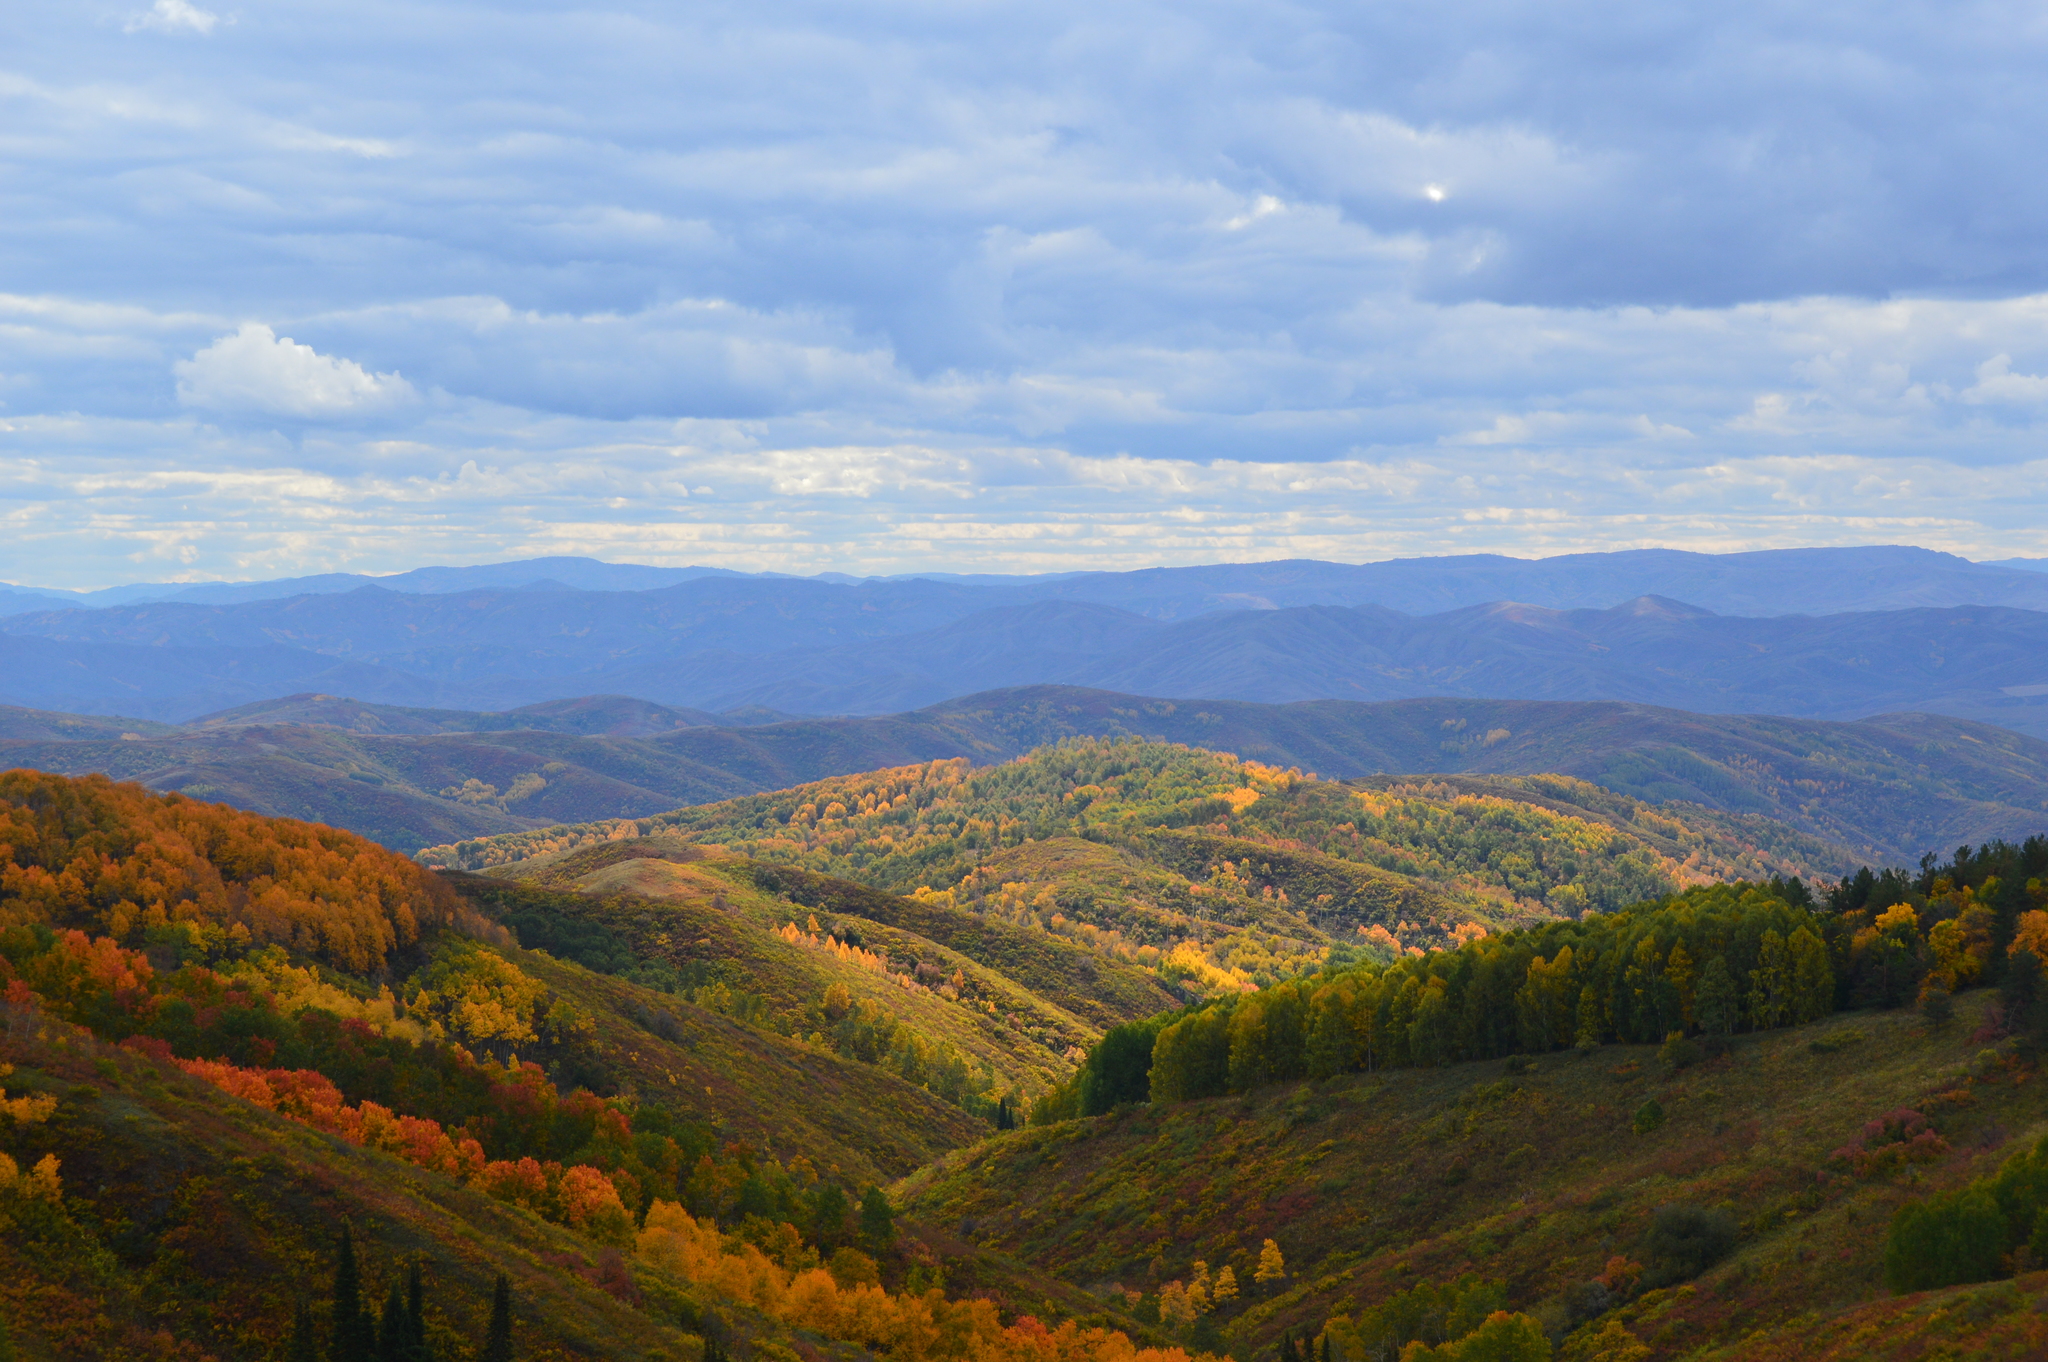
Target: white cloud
x=1997, y=383
x=257, y=370
x=173, y=16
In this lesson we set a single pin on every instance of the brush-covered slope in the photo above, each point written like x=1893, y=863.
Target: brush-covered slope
x=1537, y=1176
x=191, y=1224
x=705, y=928
x=1201, y=865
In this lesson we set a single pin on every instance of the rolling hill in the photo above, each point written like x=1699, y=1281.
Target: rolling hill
x=1206, y=870
x=1889, y=788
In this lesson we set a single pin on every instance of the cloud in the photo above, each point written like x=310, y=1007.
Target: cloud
x=1997, y=383
x=997, y=284
x=257, y=370
x=173, y=16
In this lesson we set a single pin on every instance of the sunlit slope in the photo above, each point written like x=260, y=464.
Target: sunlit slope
x=773, y=960
x=779, y=1095
x=1371, y=1183
x=1198, y=845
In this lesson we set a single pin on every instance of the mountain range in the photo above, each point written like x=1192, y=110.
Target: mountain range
x=1885, y=630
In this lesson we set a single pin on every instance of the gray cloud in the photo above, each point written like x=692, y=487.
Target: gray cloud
x=914, y=285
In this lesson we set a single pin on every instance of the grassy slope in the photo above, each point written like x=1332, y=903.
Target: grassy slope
x=1372, y=1182
x=1099, y=989
x=779, y=1095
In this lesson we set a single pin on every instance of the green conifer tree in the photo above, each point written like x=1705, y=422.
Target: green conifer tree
x=498, y=1342
x=354, y=1334
x=416, y=1312
x=394, y=1328
x=305, y=1344
x=877, y=1219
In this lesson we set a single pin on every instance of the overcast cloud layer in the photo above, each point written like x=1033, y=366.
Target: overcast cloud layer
x=289, y=287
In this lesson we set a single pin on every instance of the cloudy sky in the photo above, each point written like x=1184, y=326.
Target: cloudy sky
x=298, y=285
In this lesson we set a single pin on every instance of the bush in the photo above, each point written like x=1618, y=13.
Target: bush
x=1684, y=1241
x=1945, y=1241
x=1649, y=1116
x=1679, y=1053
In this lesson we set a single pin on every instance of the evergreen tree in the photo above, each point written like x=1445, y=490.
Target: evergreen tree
x=498, y=1342
x=828, y=1214
x=305, y=1344
x=354, y=1335
x=416, y=1312
x=877, y=1219
x=2020, y=992
x=394, y=1328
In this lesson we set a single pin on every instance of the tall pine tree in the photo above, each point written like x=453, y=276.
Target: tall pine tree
x=498, y=1343
x=354, y=1335
x=416, y=1312
x=305, y=1344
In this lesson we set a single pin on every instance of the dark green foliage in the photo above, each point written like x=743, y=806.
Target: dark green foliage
x=416, y=1312
x=305, y=1343
x=1936, y=1004
x=826, y=1209
x=1428, y=1314
x=394, y=1328
x=498, y=1339
x=1718, y=1004
x=1649, y=1116
x=877, y=1219
x=1119, y=1068
x=1684, y=1241
x=402, y=1328
x=1965, y=1235
x=1946, y=1241
x=2021, y=995
x=1750, y=959
x=352, y=1335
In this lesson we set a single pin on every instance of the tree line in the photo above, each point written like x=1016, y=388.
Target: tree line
x=1710, y=961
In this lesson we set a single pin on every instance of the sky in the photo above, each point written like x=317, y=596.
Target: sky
x=291, y=286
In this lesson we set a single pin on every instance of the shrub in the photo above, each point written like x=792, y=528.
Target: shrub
x=1679, y=1053
x=1684, y=1241
x=1649, y=1116
x=1945, y=1241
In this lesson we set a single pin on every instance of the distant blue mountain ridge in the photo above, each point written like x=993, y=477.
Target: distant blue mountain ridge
x=1820, y=633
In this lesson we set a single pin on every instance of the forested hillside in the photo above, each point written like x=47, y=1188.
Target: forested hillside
x=1210, y=870
x=249, y=1065
x=1713, y=1135
x=1888, y=788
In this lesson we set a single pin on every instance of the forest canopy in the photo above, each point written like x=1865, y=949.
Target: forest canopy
x=122, y=862
x=1709, y=961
